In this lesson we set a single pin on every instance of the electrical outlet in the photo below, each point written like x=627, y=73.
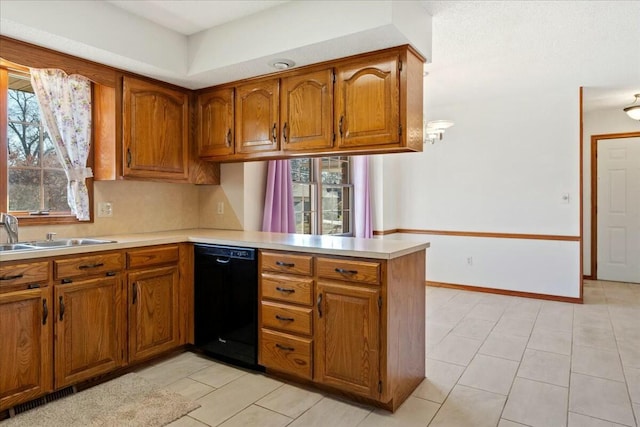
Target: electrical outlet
x=105, y=209
x=470, y=260
x=220, y=208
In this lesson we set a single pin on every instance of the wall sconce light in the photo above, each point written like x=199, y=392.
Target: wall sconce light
x=633, y=110
x=434, y=130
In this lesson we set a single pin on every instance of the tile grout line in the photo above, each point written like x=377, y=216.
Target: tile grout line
x=519, y=364
x=457, y=380
x=624, y=373
x=467, y=366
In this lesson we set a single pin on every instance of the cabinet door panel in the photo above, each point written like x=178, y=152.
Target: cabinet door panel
x=306, y=109
x=215, y=123
x=153, y=312
x=348, y=337
x=89, y=329
x=155, y=131
x=25, y=346
x=257, y=117
x=367, y=103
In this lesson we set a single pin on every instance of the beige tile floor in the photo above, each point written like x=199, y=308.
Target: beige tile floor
x=492, y=360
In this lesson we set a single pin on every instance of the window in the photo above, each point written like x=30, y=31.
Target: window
x=322, y=195
x=34, y=183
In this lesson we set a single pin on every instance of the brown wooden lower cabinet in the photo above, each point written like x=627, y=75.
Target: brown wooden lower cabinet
x=93, y=319
x=367, y=333
x=153, y=312
x=347, y=353
x=26, y=337
x=89, y=329
x=286, y=353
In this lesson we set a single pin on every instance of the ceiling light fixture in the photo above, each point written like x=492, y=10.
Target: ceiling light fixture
x=281, y=64
x=434, y=130
x=633, y=110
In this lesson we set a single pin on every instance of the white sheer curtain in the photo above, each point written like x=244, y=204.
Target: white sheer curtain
x=65, y=104
x=362, y=221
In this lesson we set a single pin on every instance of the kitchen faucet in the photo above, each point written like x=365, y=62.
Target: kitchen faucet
x=10, y=223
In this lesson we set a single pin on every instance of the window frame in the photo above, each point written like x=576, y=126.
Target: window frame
x=315, y=184
x=24, y=218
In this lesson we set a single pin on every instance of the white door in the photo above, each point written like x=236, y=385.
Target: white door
x=619, y=209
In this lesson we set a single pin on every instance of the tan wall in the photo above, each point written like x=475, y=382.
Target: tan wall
x=141, y=206
x=210, y=197
x=138, y=206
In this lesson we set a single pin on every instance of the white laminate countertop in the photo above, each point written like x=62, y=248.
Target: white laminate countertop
x=328, y=245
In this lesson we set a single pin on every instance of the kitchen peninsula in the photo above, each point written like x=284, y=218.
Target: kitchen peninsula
x=362, y=302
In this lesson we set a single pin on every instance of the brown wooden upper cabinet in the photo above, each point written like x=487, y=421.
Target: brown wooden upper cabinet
x=368, y=102
x=257, y=116
x=306, y=111
x=155, y=128
x=215, y=123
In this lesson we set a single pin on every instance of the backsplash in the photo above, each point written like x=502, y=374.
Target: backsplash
x=138, y=206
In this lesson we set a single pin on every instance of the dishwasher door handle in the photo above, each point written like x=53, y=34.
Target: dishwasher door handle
x=223, y=261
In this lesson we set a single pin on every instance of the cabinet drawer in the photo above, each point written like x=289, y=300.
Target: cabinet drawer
x=87, y=265
x=152, y=256
x=286, y=353
x=23, y=274
x=298, y=290
x=286, y=263
x=286, y=318
x=349, y=270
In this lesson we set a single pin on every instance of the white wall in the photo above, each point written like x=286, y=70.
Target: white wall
x=306, y=32
x=508, y=74
x=598, y=123
x=98, y=31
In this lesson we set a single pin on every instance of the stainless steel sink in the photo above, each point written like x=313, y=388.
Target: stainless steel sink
x=49, y=244
x=14, y=247
x=67, y=242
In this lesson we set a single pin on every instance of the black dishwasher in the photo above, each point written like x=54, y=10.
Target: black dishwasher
x=226, y=303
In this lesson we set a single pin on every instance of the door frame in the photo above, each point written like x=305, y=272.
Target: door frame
x=594, y=193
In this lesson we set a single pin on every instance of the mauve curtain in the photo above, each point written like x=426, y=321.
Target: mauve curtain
x=278, y=199
x=361, y=197
x=65, y=104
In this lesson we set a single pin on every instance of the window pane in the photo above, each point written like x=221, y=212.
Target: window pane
x=55, y=190
x=22, y=104
x=303, y=207
x=335, y=209
x=24, y=145
x=24, y=190
x=303, y=223
x=36, y=180
x=335, y=170
x=301, y=170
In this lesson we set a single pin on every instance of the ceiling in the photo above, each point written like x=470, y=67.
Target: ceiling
x=192, y=16
x=189, y=17
x=605, y=98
